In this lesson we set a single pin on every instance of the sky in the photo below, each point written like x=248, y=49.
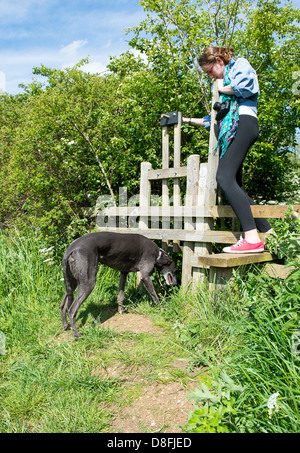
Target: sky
x=59, y=33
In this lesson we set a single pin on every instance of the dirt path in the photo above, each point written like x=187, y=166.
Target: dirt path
x=159, y=406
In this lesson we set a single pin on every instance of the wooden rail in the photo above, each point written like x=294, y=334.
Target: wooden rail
x=258, y=211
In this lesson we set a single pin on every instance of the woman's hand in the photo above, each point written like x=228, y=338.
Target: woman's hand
x=220, y=85
x=225, y=90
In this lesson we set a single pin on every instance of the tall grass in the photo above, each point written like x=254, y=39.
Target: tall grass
x=46, y=384
x=269, y=361
x=249, y=338
x=261, y=358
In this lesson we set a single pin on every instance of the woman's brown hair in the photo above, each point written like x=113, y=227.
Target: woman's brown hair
x=211, y=53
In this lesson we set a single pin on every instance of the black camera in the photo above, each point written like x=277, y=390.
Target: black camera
x=222, y=108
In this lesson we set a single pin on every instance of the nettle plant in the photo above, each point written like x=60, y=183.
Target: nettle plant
x=216, y=407
x=284, y=241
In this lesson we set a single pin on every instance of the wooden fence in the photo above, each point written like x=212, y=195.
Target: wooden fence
x=187, y=219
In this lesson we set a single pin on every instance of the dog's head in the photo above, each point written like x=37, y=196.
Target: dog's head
x=167, y=267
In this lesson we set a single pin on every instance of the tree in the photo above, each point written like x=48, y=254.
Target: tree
x=176, y=32
x=81, y=136
x=54, y=156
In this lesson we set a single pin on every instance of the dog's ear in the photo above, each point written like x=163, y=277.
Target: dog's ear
x=163, y=259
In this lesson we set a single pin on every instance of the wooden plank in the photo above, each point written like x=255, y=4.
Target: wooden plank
x=223, y=237
x=220, y=237
x=203, y=222
x=190, y=200
x=167, y=173
x=258, y=211
x=278, y=270
x=165, y=183
x=123, y=203
x=145, y=197
x=145, y=193
x=195, y=211
x=157, y=211
x=218, y=278
x=176, y=184
x=227, y=260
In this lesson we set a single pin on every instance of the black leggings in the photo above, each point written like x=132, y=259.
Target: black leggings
x=229, y=174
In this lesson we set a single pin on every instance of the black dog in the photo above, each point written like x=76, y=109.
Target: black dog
x=123, y=252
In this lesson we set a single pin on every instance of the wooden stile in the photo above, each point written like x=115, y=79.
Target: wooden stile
x=193, y=222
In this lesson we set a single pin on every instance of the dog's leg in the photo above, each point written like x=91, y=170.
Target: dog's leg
x=63, y=311
x=150, y=288
x=122, y=282
x=67, y=300
x=84, y=290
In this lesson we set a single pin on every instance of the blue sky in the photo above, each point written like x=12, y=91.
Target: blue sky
x=58, y=33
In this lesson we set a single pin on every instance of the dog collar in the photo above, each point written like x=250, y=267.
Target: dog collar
x=159, y=255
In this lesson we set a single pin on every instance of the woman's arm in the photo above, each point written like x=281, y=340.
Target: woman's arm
x=205, y=121
x=244, y=81
x=193, y=121
x=225, y=90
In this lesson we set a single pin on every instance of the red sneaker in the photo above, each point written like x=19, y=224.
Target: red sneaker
x=242, y=246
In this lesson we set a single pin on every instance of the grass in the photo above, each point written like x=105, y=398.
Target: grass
x=50, y=382
x=262, y=361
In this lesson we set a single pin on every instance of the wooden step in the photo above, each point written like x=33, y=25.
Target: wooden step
x=231, y=260
x=278, y=270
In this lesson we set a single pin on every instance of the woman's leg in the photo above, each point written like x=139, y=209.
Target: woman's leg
x=229, y=177
x=261, y=224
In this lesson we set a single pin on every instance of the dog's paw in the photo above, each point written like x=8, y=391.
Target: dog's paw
x=77, y=334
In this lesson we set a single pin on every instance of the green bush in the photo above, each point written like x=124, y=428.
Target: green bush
x=284, y=240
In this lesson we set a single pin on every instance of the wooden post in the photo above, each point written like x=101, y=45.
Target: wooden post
x=207, y=190
x=165, y=182
x=176, y=188
x=213, y=157
x=218, y=278
x=145, y=197
x=190, y=200
x=145, y=193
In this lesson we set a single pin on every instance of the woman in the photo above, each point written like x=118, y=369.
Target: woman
x=237, y=81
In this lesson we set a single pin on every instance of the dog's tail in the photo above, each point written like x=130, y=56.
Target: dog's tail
x=68, y=277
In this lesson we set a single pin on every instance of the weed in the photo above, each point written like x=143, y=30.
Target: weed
x=284, y=240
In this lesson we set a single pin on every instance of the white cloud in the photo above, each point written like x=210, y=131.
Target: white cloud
x=72, y=53
x=94, y=67
x=71, y=49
